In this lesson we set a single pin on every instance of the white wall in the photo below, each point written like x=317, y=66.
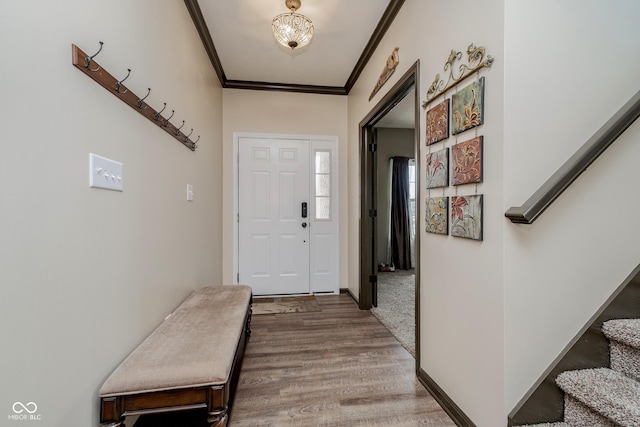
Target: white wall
x=569, y=67
x=86, y=274
x=461, y=280
x=280, y=113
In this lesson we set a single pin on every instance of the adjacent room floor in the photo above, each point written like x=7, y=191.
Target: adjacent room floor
x=396, y=306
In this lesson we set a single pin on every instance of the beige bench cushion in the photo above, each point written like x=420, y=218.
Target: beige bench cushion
x=194, y=346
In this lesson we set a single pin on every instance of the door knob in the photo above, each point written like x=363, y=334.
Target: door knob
x=304, y=225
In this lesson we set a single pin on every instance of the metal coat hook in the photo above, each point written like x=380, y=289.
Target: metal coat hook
x=142, y=99
x=166, y=121
x=87, y=60
x=187, y=136
x=195, y=142
x=157, y=115
x=120, y=82
x=178, y=129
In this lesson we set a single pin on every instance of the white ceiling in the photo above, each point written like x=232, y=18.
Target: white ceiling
x=241, y=33
x=402, y=116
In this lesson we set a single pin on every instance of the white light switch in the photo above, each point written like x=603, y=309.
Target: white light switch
x=105, y=173
x=189, y=193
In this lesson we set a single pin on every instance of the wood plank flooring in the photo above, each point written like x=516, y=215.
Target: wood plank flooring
x=336, y=367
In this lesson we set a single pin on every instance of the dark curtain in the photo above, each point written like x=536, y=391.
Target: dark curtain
x=400, y=226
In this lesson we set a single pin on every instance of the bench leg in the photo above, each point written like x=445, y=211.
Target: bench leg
x=218, y=418
x=247, y=328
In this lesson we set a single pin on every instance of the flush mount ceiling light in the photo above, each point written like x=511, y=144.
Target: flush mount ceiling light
x=292, y=29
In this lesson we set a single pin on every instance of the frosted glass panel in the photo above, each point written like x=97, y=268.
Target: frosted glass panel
x=412, y=179
x=323, y=185
x=323, y=208
x=323, y=162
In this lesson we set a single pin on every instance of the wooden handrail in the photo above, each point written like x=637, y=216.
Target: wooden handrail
x=578, y=163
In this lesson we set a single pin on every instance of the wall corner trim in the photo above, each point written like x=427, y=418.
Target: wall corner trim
x=350, y=294
x=456, y=414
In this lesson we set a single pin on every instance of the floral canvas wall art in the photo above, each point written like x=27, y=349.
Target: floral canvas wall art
x=466, y=162
x=438, y=122
x=438, y=168
x=466, y=217
x=467, y=107
x=437, y=215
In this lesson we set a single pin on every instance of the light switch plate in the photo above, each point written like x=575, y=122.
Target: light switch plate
x=189, y=193
x=105, y=173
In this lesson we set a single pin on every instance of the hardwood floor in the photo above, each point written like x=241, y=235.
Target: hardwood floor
x=336, y=367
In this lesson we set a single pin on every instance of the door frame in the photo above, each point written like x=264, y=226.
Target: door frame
x=322, y=139
x=368, y=265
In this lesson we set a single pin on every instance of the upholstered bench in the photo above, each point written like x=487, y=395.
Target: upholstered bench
x=192, y=360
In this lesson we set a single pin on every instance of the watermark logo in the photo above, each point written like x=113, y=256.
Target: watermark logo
x=20, y=407
x=25, y=412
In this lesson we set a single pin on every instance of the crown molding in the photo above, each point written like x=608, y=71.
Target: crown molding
x=205, y=35
x=383, y=25
x=285, y=87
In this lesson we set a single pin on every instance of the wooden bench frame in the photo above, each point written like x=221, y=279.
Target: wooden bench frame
x=217, y=399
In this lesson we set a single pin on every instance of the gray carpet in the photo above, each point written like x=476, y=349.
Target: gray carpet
x=624, y=335
x=396, y=306
x=602, y=397
x=549, y=425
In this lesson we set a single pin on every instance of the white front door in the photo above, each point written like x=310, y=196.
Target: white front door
x=273, y=178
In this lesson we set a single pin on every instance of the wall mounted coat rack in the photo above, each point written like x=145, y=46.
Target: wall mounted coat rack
x=91, y=68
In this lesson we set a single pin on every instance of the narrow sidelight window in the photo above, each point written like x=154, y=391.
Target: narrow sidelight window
x=322, y=190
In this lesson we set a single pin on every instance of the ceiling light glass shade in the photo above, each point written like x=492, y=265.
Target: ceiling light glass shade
x=292, y=30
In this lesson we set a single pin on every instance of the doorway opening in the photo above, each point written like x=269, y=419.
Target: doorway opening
x=389, y=240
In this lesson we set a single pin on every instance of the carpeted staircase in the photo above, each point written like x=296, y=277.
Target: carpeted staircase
x=604, y=397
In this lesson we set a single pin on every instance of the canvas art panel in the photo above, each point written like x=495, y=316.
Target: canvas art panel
x=438, y=168
x=466, y=216
x=467, y=107
x=438, y=122
x=466, y=162
x=437, y=217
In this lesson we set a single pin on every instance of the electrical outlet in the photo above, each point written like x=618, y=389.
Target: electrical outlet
x=105, y=173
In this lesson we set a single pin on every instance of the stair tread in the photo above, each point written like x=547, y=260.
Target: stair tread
x=560, y=424
x=626, y=331
x=610, y=393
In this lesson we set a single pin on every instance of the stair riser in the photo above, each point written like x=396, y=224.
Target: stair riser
x=625, y=359
x=578, y=415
